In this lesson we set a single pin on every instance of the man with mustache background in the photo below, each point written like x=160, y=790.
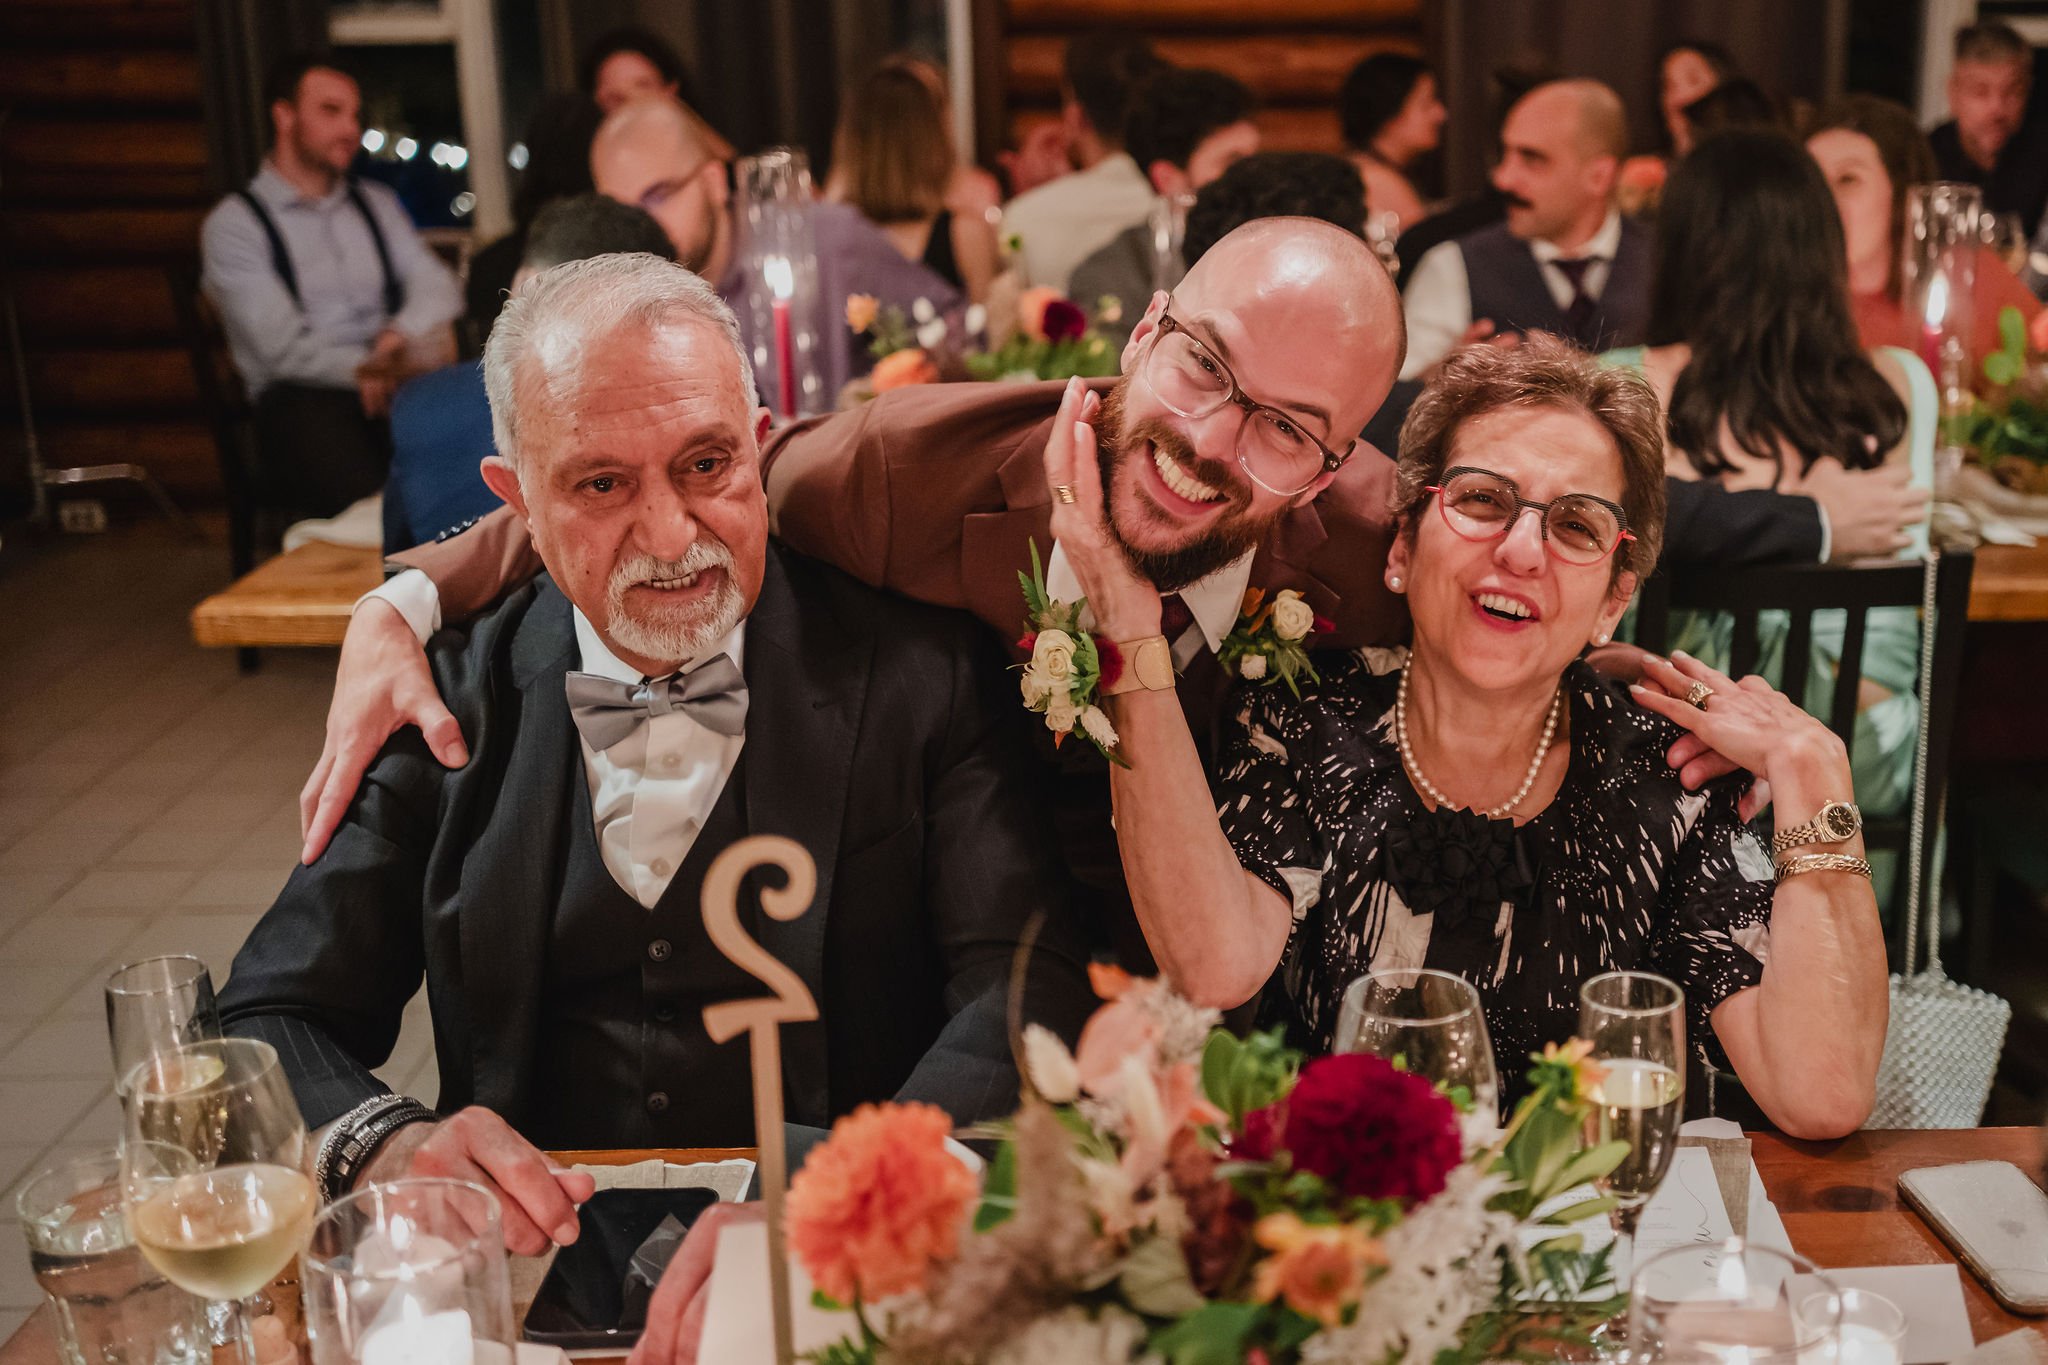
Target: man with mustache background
x=1564, y=262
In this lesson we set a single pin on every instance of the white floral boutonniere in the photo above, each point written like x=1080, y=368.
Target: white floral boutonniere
x=1269, y=642
x=1068, y=665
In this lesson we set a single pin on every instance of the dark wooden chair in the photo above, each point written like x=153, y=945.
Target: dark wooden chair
x=1800, y=590
x=231, y=416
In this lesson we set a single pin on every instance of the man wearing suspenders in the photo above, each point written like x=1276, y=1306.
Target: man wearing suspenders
x=314, y=274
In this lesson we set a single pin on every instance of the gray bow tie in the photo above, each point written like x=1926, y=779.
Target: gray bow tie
x=714, y=695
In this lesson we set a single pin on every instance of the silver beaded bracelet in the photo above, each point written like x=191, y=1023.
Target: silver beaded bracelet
x=355, y=1138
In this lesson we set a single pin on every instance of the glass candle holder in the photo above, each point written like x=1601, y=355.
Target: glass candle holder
x=1870, y=1329
x=1724, y=1302
x=409, y=1273
x=1943, y=236
x=779, y=310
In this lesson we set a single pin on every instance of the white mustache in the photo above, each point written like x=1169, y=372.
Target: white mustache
x=643, y=568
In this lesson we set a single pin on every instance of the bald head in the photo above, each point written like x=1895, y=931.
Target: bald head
x=1308, y=304
x=1561, y=152
x=658, y=154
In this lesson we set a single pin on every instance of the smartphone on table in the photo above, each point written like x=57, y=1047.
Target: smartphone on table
x=586, y=1301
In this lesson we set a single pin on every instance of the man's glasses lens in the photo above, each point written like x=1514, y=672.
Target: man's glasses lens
x=1193, y=383
x=1579, y=529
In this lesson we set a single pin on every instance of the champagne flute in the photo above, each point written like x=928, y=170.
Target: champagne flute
x=212, y=1170
x=1427, y=1022
x=1636, y=1024
x=156, y=1006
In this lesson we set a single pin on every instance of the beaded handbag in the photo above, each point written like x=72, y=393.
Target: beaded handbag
x=1942, y=1048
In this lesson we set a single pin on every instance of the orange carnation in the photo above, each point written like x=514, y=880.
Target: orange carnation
x=879, y=1202
x=900, y=369
x=1318, y=1269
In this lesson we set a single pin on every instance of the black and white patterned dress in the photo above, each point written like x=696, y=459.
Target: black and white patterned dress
x=1624, y=868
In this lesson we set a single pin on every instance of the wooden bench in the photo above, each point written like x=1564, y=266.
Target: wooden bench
x=302, y=597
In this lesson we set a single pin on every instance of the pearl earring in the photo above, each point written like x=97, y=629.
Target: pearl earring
x=1395, y=582
x=1600, y=639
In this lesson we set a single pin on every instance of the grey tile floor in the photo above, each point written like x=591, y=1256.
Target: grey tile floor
x=148, y=805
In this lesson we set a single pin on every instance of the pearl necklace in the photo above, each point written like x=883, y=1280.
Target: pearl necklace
x=1429, y=788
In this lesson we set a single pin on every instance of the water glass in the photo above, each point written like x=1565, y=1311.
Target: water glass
x=1427, y=1022
x=413, y=1270
x=111, y=1306
x=157, y=1006
x=1723, y=1303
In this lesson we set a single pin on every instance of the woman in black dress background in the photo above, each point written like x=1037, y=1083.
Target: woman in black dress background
x=1486, y=803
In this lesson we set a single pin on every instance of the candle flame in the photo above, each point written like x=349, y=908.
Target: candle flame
x=781, y=277
x=1937, y=300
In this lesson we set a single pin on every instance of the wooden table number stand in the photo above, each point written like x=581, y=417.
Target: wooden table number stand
x=761, y=1019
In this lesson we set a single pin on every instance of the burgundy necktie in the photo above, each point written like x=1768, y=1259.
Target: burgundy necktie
x=1579, y=315
x=1174, y=617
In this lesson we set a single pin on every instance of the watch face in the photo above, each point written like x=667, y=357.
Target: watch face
x=1839, y=820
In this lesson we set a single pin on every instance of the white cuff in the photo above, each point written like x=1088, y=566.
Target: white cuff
x=414, y=596
x=1827, y=532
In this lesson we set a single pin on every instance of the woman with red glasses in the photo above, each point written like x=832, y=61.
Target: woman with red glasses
x=1486, y=803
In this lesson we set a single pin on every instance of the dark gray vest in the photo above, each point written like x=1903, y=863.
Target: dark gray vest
x=1508, y=287
x=622, y=1058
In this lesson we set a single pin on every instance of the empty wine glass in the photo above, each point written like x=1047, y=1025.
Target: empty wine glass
x=1719, y=1303
x=212, y=1170
x=155, y=1006
x=1427, y=1022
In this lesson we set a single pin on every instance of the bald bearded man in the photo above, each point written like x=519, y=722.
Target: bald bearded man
x=1565, y=261
x=658, y=154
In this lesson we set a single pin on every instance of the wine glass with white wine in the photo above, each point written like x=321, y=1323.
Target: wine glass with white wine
x=212, y=1170
x=1636, y=1024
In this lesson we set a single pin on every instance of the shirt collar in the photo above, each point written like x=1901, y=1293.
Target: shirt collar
x=271, y=186
x=1602, y=246
x=1215, y=602
x=597, y=656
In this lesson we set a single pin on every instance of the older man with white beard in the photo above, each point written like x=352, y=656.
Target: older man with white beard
x=674, y=681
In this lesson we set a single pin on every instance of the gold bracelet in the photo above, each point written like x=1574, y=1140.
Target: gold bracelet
x=1791, y=865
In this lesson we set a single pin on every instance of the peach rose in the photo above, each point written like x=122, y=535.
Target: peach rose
x=900, y=369
x=1031, y=306
x=860, y=311
x=879, y=1202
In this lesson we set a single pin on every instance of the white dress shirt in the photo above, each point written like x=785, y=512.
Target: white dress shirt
x=1438, y=299
x=1063, y=222
x=1215, y=602
x=651, y=793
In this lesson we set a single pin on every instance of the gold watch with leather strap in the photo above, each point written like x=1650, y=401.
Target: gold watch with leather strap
x=1148, y=664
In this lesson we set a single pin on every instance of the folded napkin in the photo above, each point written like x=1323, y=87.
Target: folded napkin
x=2023, y=1347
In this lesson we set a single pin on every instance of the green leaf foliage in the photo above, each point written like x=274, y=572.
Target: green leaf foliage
x=1214, y=1334
x=1243, y=1074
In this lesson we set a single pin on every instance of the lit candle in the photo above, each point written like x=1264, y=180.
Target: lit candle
x=1934, y=322
x=781, y=279
x=421, y=1339
x=1862, y=1345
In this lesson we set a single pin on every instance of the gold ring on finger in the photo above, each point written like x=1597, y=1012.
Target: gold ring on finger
x=1064, y=493
x=1697, y=695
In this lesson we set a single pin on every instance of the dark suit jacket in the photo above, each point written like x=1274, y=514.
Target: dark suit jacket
x=879, y=736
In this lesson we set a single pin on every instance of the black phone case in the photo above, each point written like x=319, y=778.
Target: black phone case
x=582, y=1304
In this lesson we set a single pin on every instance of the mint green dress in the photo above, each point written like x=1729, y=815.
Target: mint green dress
x=1881, y=755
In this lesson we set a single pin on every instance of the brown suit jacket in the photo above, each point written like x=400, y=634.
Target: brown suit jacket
x=936, y=491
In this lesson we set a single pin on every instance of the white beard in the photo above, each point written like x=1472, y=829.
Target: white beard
x=678, y=634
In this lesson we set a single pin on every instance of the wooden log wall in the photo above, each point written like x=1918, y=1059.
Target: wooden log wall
x=1294, y=54
x=103, y=183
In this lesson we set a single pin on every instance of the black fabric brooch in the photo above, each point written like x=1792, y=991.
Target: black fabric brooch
x=1457, y=864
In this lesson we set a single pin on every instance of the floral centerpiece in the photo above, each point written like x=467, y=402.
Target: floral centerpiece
x=2006, y=427
x=1049, y=337
x=1054, y=338
x=1171, y=1194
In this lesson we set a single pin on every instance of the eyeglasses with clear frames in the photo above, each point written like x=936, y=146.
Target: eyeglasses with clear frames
x=1273, y=448
x=1578, y=528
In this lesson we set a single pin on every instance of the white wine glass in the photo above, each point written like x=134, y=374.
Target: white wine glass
x=213, y=1172
x=1427, y=1022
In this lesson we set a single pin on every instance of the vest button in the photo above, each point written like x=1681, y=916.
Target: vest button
x=657, y=1103
x=659, y=950
x=664, y=1014
x=661, y=867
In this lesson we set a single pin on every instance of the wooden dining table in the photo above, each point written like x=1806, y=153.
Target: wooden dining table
x=1839, y=1200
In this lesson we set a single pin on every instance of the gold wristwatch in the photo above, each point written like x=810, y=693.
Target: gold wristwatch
x=1148, y=663
x=1837, y=822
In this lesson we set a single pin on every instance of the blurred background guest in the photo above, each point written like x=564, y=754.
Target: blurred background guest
x=1871, y=150
x=1687, y=71
x=893, y=160
x=441, y=422
x=322, y=284
x=1276, y=185
x=1565, y=261
x=1062, y=222
x=1754, y=353
x=557, y=166
x=1484, y=206
x=633, y=63
x=1989, y=141
x=659, y=155
x=1186, y=128
x=1736, y=103
x=1391, y=119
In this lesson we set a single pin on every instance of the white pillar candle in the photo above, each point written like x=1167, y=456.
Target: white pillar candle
x=432, y=1339
x=1862, y=1345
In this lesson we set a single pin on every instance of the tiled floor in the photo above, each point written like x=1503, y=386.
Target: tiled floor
x=148, y=805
